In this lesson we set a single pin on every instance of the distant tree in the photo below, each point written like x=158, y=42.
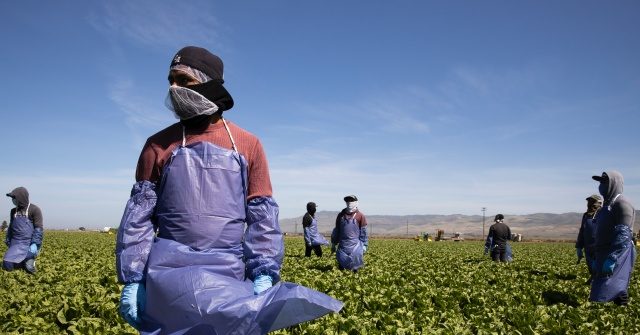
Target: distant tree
x=82, y=229
x=5, y=225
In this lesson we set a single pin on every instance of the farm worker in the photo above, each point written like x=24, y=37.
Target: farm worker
x=614, y=251
x=312, y=239
x=199, y=247
x=498, y=241
x=587, y=231
x=24, y=236
x=350, y=236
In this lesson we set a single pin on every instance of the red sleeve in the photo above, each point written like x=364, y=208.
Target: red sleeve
x=146, y=169
x=363, y=220
x=259, y=179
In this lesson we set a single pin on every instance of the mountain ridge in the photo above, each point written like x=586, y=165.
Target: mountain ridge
x=531, y=226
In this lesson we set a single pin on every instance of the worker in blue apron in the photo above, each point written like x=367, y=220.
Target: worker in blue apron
x=349, y=237
x=195, y=255
x=615, y=253
x=313, y=240
x=25, y=232
x=586, y=234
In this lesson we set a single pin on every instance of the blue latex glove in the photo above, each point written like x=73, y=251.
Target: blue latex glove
x=608, y=266
x=364, y=248
x=132, y=303
x=33, y=248
x=261, y=283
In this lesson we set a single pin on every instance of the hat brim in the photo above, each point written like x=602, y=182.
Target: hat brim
x=598, y=178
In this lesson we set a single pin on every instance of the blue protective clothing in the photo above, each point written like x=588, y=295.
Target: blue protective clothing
x=608, y=266
x=262, y=283
x=311, y=235
x=614, y=250
x=351, y=240
x=490, y=247
x=199, y=269
x=21, y=232
x=586, y=240
x=132, y=304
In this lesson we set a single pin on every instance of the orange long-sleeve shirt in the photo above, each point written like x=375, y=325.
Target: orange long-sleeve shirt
x=158, y=148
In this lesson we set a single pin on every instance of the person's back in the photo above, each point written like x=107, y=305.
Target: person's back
x=497, y=240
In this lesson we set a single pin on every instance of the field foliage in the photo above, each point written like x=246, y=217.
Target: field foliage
x=406, y=287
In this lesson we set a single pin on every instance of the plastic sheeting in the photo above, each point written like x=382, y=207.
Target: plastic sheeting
x=311, y=235
x=350, y=252
x=200, y=264
x=21, y=231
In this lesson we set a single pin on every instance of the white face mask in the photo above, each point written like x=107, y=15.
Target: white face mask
x=352, y=206
x=186, y=103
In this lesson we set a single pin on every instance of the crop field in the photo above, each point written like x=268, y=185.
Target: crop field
x=406, y=287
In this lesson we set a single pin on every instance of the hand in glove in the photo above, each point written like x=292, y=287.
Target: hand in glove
x=579, y=254
x=364, y=248
x=608, y=266
x=486, y=250
x=333, y=248
x=261, y=283
x=33, y=248
x=132, y=303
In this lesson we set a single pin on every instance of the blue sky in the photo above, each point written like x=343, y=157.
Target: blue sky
x=420, y=107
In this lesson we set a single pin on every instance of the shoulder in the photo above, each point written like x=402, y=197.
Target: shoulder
x=33, y=208
x=623, y=204
x=166, y=136
x=242, y=135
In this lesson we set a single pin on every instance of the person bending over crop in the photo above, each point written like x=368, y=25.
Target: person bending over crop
x=199, y=247
x=24, y=236
x=613, y=246
x=350, y=236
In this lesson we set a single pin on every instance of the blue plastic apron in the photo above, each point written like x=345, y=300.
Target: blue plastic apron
x=609, y=239
x=196, y=274
x=21, y=231
x=311, y=235
x=350, y=252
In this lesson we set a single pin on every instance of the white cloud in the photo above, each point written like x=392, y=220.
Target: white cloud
x=160, y=23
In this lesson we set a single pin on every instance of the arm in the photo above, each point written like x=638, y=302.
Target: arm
x=624, y=215
x=364, y=237
x=488, y=244
x=35, y=216
x=306, y=220
x=580, y=240
x=8, y=236
x=263, y=241
x=335, y=233
x=135, y=234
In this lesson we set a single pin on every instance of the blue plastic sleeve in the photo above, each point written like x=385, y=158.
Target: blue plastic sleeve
x=135, y=234
x=36, y=237
x=263, y=241
x=364, y=236
x=622, y=239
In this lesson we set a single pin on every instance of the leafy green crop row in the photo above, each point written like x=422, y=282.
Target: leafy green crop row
x=406, y=287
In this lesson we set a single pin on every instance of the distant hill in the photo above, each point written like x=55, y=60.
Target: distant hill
x=531, y=226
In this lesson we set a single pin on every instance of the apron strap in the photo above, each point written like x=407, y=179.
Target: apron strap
x=233, y=143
